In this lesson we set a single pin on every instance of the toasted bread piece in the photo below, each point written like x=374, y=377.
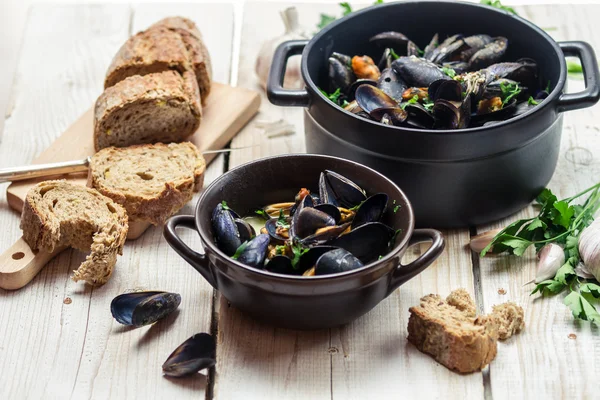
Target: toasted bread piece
x=59, y=214
x=510, y=319
x=455, y=339
x=160, y=107
x=151, y=181
x=197, y=51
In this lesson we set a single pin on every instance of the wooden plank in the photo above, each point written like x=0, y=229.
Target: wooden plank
x=543, y=362
x=56, y=349
x=369, y=358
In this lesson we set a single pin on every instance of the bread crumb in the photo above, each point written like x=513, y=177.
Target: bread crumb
x=510, y=319
x=461, y=299
x=572, y=336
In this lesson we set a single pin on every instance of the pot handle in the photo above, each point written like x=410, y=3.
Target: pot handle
x=404, y=273
x=198, y=261
x=591, y=94
x=275, y=91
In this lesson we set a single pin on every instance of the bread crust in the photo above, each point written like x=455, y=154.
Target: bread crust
x=168, y=194
x=153, y=91
x=59, y=214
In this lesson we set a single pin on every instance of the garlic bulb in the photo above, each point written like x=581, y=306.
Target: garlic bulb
x=551, y=258
x=293, y=78
x=589, y=248
x=480, y=242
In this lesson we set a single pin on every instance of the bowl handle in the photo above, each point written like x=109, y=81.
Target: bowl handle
x=275, y=91
x=406, y=272
x=591, y=94
x=198, y=261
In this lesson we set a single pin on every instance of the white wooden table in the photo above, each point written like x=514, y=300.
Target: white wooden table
x=53, y=348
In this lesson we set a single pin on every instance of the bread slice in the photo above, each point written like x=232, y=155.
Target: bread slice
x=151, y=181
x=451, y=332
x=455, y=339
x=173, y=43
x=58, y=214
x=160, y=107
x=197, y=51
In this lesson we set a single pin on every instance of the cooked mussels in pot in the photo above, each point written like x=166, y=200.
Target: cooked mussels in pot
x=336, y=230
x=453, y=83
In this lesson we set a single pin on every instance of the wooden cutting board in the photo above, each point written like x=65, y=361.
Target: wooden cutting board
x=226, y=111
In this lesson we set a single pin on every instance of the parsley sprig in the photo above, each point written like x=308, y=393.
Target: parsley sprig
x=498, y=4
x=509, y=91
x=560, y=222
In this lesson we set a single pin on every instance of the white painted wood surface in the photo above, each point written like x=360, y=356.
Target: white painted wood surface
x=55, y=350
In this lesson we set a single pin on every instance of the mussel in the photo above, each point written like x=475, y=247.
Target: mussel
x=340, y=191
x=489, y=54
x=391, y=84
x=227, y=235
x=397, y=41
x=367, y=242
x=309, y=220
x=253, y=253
x=370, y=98
x=418, y=71
x=336, y=261
x=340, y=74
x=371, y=210
x=143, y=308
x=193, y=355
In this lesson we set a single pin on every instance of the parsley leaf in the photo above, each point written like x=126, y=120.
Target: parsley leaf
x=497, y=4
x=326, y=19
x=582, y=308
x=532, y=102
x=591, y=288
x=333, y=97
x=297, y=250
x=548, y=87
x=549, y=287
x=263, y=214
x=413, y=100
x=282, y=221
x=240, y=250
x=396, y=208
x=449, y=71
x=347, y=8
x=224, y=205
x=509, y=91
x=428, y=104
x=574, y=67
x=393, y=54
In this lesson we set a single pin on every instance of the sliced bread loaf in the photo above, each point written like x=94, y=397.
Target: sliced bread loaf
x=197, y=51
x=159, y=107
x=151, y=181
x=171, y=44
x=59, y=214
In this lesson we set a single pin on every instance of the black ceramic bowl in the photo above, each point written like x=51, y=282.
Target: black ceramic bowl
x=295, y=301
x=454, y=178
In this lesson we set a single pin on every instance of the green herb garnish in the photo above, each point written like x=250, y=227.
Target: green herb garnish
x=560, y=222
x=240, y=250
x=574, y=67
x=280, y=249
x=509, y=91
x=346, y=7
x=532, y=102
x=298, y=250
x=325, y=20
x=393, y=54
x=282, y=221
x=449, y=71
x=396, y=209
x=548, y=87
x=428, y=104
x=333, y=97
x=224, y=205
x=498, y=4
x=413, y=100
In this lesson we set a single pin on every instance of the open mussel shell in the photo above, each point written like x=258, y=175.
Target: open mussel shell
x=352, y=88
x=504, y=113
x=386, y=60
x=309, y=220
x=193, y=355
x=330, y=209
x=336, y=261
x=227, y=236
x=271, y=227
x=397, y=41
x=523, y=71
x=325, y=235
x=450, y=90
x=309, y=259
x=452, y=114
x=418, y=71
x=340, y=191
x=391, y=84
x=370, y=98
x=418, y=116
x=371, y=210
x=343, y=58
x=255, y=251
x=306, y=202
x=143, y=308
x=367, y=242
x=245, y=230
x=396, y=115
x=428, y=51
x=494, y=88
x=340, y=75
x=281, y=265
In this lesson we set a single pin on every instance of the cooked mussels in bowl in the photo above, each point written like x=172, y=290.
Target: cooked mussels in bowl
x=336, y=229
x=455, y=82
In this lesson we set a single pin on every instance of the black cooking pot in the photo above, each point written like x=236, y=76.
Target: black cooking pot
x=454, y=178
x=299, y=302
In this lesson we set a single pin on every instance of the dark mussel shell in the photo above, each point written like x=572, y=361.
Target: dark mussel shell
x=489, y=54
x=370, y=98
x=418, y=116
x=352, y=89
x=367, y=242
x=452, y=114
x=227, y=236
x=386, y=60
x=417, y=71
x=340, y=75
x=309, y=220
x=282, y=265
x=340, y=191
x=306, y=202
x=430, y=48
x=450, y=90
x=396, y=116
x=336, y=261
x=309, y=259
x=271, y=227
x=391, y=84
x=504, y=113
x=523, y=71
x=494, y=88
x=245, y=230
x=143, y=308
x=193, y=355
x=459, y=67
x=395, y=40
x=343, y=58
x=330, y=209
x=255, y=251
x=371, y=210
x=448, y=50
x=325, y=235
x=353, y=107
x=473, y=44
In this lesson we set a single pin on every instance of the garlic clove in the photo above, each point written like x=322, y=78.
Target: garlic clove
x=551, y=258
x=589, y=248
x=481, y=241
x=582, y=271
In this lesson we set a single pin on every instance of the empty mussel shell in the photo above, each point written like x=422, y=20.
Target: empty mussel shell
x=396, y=115
x=450, y=90
x=193, y=355
x=325, y=235
x=276, y=230
x=352, y=88
x=371, y=210
x=366, y=242
x=418, y=116
x=370, y=98
x=309, y=220
x=254, y=252
x=330, y=209
x=336, y=261
x=281, y=265
x=245, y=230
x=340, y=191
x=143, y=308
